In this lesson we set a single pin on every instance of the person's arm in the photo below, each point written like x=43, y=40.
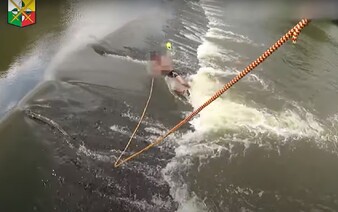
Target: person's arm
x=182, y=81
x=156, y=69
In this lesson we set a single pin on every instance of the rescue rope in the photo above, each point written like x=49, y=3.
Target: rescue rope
x=117, y=163
x=292, y=33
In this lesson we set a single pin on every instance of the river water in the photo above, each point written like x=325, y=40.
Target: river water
x=73, y=90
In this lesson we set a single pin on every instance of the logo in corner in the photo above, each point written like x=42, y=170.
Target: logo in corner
x=21, y=13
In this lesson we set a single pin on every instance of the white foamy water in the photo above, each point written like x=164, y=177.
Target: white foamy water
x=119, y=129
x=100, y=156
x=178, y=189
x=128, y=58
x=227, y=35
x=226, y=114
x=334, y=120
x=136, y=118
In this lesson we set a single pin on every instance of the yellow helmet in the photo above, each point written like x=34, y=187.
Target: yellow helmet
x=168, y=45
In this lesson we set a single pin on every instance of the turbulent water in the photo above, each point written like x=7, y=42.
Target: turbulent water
x=267, y=144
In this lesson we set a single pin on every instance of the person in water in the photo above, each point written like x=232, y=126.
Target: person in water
x=162, y=66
